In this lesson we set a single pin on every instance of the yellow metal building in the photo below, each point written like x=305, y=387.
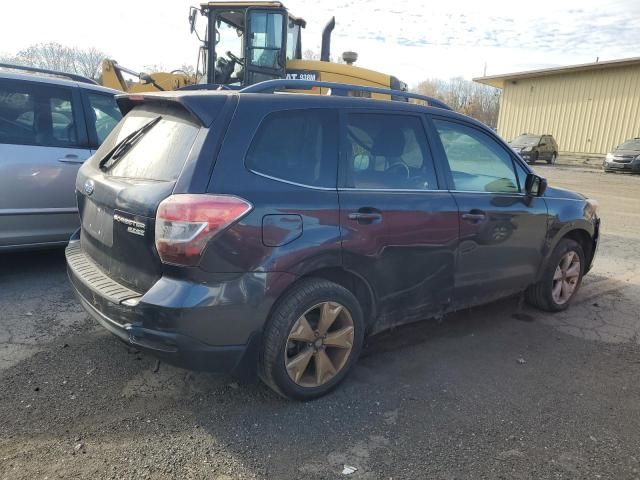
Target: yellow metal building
x=588, y=108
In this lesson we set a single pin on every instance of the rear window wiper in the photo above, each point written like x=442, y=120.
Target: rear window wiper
x=120, y=150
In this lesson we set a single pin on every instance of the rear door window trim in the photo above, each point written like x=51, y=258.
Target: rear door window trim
x=342, y=164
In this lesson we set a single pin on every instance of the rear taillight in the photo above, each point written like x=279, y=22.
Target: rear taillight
x=186, y=222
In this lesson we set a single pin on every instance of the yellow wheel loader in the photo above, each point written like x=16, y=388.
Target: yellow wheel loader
x=147, y=82
x=246, y=42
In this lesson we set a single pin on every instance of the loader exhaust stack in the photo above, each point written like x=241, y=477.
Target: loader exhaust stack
x=325, y=52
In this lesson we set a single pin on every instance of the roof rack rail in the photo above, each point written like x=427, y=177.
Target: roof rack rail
x=71, y=76
x=338, y=89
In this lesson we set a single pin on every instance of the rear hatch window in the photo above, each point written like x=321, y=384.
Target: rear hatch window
x=160, y=153
x=133, y=171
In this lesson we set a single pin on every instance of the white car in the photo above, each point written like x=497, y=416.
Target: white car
x=49, y=125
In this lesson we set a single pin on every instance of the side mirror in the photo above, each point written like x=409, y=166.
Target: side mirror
x=535, y=185
x=193, y=19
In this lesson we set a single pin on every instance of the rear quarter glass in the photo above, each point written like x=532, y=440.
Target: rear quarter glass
x=162, y=152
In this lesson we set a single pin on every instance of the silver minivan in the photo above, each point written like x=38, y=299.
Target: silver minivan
x=48, y=127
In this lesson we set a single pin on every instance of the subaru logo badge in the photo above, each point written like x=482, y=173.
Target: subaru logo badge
x=88, y=187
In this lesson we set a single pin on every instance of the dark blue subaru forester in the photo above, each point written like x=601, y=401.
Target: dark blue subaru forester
x=256, y=232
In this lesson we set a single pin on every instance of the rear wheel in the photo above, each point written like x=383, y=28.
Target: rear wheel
x=312, y=340
x=552, y=160
x=561, y=279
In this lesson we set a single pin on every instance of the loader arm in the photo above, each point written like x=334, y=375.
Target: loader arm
x=153, y=82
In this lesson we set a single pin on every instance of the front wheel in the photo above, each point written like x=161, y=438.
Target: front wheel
x=312, y=340
x=561, y=279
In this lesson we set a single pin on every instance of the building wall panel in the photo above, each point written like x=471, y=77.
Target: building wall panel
x=587, y=112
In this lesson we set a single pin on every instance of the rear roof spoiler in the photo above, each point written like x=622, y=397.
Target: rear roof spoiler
x=203, y=107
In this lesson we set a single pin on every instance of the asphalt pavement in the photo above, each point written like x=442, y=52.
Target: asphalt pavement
x=485, y=393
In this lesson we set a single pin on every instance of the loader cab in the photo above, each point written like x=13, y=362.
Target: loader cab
x=247, y=43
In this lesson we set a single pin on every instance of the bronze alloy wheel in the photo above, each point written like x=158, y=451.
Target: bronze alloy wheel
x=566, y=277
x=319, y=344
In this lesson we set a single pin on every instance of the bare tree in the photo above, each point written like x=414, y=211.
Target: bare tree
x=309, y=54
x=88, y=61
x=153, y=67
x=478, y=101
x=188, y=69
x=54, y=56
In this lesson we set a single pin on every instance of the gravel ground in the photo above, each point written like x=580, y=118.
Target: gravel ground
x=482, y=394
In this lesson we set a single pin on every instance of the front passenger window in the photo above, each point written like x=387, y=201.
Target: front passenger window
x=478, y=163
x=63, y=131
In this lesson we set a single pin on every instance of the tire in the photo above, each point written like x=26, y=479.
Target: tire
x=552, y=160
x=534, y=157
x=541, y=295
x=282, y=343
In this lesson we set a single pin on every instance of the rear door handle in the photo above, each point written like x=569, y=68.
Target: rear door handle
x=71, y=158
x=474, y=216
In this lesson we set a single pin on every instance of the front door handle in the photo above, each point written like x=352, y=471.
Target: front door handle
x=366, y=215
x=474, y=216
x=71, y=158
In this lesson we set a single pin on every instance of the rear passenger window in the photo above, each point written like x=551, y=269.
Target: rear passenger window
x=16, y=115
x=298, y=146
x=36, y=114
x=388, y=152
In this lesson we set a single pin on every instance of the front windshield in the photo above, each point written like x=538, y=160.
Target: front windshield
x=631, y=145
x=526, y=140
x=229, y=36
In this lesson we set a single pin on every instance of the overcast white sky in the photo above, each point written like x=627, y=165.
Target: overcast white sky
x=410, y=39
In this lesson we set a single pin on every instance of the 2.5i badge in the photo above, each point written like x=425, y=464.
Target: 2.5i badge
x=133, y=226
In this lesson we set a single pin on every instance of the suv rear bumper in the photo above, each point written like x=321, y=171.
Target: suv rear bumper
x=163, y=322
x=178, y=349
